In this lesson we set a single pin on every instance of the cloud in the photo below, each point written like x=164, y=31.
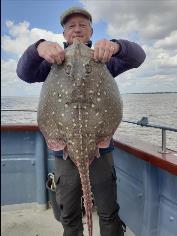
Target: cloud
x=151, y=20
x=21, y=36
x=155, y=83
x=12, y=85
x=152, y=24
x=7, y=69
x=168, y=42
x=159, y=63
x=157, y=73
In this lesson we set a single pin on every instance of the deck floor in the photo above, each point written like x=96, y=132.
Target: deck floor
x=35, y=222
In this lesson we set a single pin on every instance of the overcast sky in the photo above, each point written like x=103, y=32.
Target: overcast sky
x=152, y=24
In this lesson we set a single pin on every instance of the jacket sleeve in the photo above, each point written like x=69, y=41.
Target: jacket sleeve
x=131, y=55
x=31, y=67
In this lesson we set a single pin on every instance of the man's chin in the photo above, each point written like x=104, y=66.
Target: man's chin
x=80, y=39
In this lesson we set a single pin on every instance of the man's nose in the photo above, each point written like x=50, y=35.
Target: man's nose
x=77, y=28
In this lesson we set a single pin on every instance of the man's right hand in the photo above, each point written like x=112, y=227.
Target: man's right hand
x=51, y=52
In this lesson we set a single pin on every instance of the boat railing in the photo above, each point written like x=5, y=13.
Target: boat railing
x=145, y=123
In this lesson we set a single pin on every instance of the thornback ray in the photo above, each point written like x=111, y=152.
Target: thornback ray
x=79, y=110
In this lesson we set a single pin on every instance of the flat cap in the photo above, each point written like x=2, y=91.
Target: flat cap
x=74, y=10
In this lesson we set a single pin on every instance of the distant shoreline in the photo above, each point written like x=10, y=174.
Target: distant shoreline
x=121, y=94
x=149, y=93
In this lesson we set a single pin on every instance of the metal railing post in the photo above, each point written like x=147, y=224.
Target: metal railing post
x=163, y=147
x=163, y=140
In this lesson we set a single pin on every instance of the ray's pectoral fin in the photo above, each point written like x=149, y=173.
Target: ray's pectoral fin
x=97, y=152
x=65, y=153
x=104, y=143
x=56, y=145
x=97, y=155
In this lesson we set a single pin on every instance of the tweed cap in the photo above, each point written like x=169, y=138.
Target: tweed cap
x=74, y=10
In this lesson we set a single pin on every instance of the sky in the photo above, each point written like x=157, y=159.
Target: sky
x=151, y=24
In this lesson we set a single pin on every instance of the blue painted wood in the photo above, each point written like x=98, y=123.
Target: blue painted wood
x=18, y=170
x=21, y=143
x=168, y=185
x=151, y=203
x=23, y=168
x=167, y=224
x=41, y=169
x=130, y=189
x=18, y=181
x=127, y=162
x=147, y=196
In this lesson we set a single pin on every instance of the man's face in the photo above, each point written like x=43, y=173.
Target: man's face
x=77, y=26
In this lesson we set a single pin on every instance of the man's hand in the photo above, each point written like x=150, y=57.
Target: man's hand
x=51, y=52
x=104, y=49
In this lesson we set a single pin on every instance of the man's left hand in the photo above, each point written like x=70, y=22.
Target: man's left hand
x=104, y=49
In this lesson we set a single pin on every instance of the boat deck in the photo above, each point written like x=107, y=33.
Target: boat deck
x=37, y=222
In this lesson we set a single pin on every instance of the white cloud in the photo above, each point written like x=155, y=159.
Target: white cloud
x=155, y=83
x=12, y=85
x=21, y=36
x=157, y=73
x=168, y=42
x=152, y=24
x=16, y=30
x=7, y=70
x=150, y=19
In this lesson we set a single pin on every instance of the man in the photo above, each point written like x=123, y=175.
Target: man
x=34, y=66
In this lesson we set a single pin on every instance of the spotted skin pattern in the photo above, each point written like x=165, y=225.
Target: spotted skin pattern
x=79, y=110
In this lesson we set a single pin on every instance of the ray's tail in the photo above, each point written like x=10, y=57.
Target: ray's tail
x=87, y=194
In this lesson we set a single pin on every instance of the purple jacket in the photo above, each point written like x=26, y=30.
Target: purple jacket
x=32, y=68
